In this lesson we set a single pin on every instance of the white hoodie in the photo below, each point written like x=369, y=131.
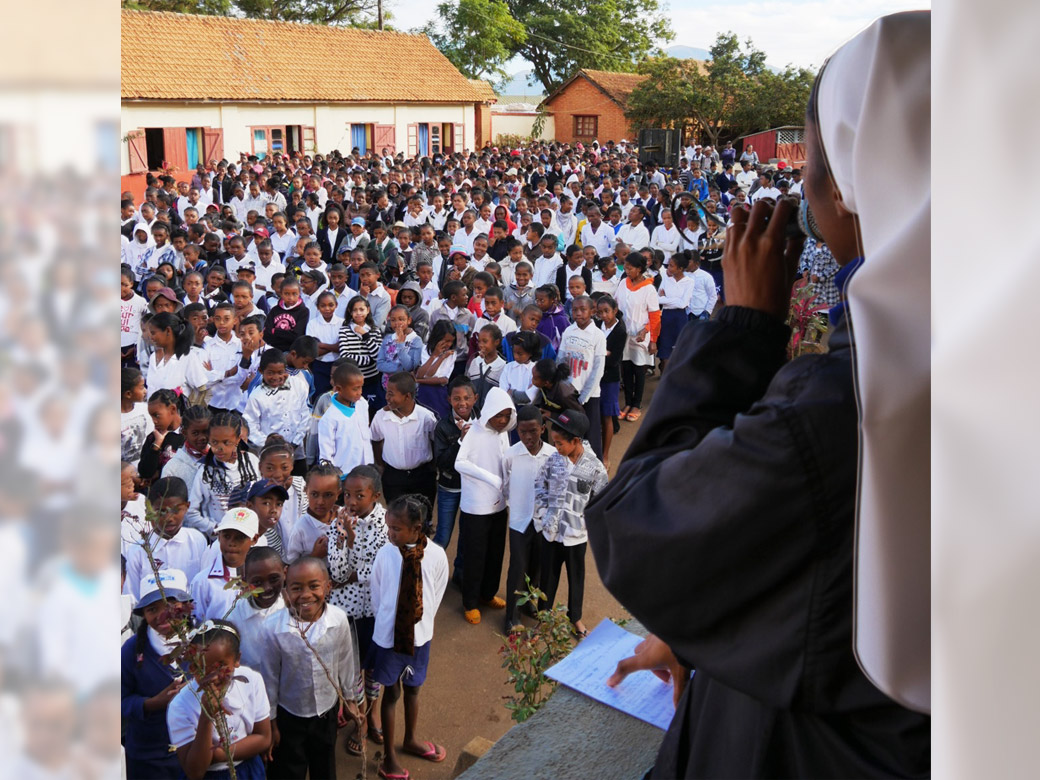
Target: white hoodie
x=481, y=457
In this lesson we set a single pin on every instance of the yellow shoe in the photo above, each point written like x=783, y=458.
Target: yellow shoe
x=473, y=615
x=495, y=603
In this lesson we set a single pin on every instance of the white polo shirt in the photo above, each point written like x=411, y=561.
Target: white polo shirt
x=407, y=441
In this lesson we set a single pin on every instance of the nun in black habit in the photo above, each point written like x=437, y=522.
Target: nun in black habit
x=730, y=528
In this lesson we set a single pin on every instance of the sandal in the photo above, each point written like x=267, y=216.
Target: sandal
x=353, y=745
x=376, y=735
x=435, y=753
x=494, y=603
x=472, y=616
x=634, y=415
x=390, y=776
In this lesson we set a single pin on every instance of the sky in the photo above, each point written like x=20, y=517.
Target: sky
x=799, y=32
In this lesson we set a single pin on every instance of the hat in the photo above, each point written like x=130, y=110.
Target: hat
x=343, y=249
x=399, y=224
x=317, y=276
x=264, y=486
x=260, y=230
x=173, y=583
x=239, y=519
x=358, y=221
x=572, y=422
x=458, y=250
x=511, y=172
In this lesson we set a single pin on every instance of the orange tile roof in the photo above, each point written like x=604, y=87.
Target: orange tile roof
x=485, y=89
x=618, y=86
x=167, y=56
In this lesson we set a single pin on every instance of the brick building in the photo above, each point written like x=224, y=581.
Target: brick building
x=590, y=106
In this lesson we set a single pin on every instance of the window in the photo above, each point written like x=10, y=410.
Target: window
x=260, y=141
x=277, y=139
x=435, y=139
x=791, y=135
x=586, y=126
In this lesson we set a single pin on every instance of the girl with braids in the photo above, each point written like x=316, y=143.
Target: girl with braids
x=227, y=465
x=187, y=460
x=221, y=683
x=409, y=577
x=276, y=464
x=149, y=685
x=165, y=439
x=310, y=536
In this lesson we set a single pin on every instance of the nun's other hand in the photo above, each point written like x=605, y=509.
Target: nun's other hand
x=654, y=655
x=759, y=261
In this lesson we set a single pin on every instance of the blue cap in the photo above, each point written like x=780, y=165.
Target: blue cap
x=358, y=221
x=264, y=486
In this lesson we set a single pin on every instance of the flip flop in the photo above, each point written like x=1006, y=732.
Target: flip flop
x=376, y=735
x=353, y=745
x=634, y=415
x=435, y=754
x=389, y=776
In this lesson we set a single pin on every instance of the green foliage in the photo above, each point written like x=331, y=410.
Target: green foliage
x=732, y=94
x=527, y=653
x=204, y=7
x=557, y=38
x=353, y=13
x=479, y=37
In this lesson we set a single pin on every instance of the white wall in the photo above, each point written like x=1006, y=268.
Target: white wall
x=331, y=122
x=520, y=124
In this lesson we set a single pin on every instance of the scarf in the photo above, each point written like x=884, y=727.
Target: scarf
x=409, y=598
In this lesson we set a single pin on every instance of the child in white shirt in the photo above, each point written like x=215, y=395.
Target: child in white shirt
x=344, y=437
x=235, y=534
x=263, y=569
x=278, y=404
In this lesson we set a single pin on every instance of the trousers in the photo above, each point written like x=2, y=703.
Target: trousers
x=483, y=541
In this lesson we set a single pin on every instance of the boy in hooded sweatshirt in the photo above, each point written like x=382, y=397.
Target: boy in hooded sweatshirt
x=419, y=316
x=480, y=464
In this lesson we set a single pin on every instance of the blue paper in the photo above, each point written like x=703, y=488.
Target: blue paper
x=586, y=670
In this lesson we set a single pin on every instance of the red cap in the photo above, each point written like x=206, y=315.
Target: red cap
x=261, y=231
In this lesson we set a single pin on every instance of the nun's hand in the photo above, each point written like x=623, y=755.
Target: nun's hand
x=759, y=261
x=654, y=655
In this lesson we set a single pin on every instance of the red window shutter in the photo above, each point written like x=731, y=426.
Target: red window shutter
x=458, y=141
x=138, y=151
x=213, y=143
x=385, y=138
x=413, y=140
x=175, y=140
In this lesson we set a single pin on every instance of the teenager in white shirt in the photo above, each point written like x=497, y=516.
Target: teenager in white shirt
x=674, y=296
x=666, y=236
x=634, y=232
x=344, y=437
x=522, y=463
x=402, y=441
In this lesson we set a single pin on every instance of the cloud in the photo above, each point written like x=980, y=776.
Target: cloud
x=792, y=31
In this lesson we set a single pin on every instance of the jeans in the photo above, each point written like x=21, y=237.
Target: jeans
x=447, y=510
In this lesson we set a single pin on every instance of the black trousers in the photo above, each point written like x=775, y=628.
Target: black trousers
x=633, y=378
x=594, y=437
x=483, y=540
x=554, y=555
x=523, y=559
x=307, y=744
x=400, y=482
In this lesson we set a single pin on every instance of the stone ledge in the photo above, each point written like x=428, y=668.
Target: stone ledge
x=572, y=736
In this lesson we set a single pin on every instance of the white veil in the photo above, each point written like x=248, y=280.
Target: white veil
x=873, y=109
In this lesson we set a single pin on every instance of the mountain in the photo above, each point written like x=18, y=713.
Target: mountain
x=688, y=53
x=518, y=85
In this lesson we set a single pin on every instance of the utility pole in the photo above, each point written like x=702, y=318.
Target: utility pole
x=379, y=6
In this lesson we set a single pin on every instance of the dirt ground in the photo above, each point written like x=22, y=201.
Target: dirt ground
x=463, y=696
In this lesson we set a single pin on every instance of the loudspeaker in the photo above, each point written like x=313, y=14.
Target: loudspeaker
x=660, y=146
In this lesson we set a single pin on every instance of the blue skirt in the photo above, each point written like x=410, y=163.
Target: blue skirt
x=387, y=666
x=435, y=398
x=250, y=769
x=608, y=399
x=672, y=323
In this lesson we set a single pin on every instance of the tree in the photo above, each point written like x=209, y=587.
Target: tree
x=480, y=37
x=732, y=93
x=355, y=13
x=559, y=38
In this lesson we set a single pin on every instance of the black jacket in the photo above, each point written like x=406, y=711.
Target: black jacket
x=561, y=280
x=284, y=326
x=728, y=531
x=615, y=351
x=329, y=252
x=445, y=449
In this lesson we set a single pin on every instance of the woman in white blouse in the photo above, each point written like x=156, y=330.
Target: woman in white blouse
x=666, y=236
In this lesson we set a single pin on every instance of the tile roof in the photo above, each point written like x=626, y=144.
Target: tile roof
x=484, y=89
x=167, y=56
x=616, y=86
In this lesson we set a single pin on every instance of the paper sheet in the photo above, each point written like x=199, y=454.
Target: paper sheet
x=641, y=694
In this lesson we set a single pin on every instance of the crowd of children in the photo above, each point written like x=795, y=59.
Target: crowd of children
x=314, y=393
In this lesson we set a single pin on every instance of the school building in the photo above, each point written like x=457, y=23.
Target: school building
x=201, y=88
x=590, y=106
